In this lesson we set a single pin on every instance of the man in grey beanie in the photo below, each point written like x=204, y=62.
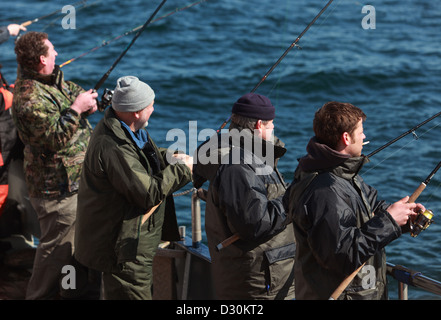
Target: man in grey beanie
x=125, y=203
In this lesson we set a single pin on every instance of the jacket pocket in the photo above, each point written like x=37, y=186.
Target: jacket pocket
x=281, y=253
x=361, y=294
x=72, y=166
x=126, y=245
x=280, y=279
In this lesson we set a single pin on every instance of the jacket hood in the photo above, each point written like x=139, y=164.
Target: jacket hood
x=320, y=157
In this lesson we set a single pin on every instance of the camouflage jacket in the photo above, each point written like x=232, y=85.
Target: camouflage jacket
x=54, y=135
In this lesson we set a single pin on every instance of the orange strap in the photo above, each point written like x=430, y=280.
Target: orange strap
x=3, y=195
x=4, y=188
x=7, y=97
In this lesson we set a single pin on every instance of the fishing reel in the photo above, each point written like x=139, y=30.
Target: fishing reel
x=422, y=221
x=106, y=99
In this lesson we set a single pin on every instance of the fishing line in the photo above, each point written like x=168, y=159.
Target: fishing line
x=319, y=25
x=391, y=154
x=105, y=99
x=29, y=22
x=107, y=42
x=293, y=45
x=86, y=5
x=436, y=191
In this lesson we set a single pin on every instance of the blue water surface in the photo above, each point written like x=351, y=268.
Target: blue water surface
x=203, y=55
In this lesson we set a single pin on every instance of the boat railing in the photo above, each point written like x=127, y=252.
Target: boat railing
x=404, y=276
x=196, y=230
x=407, y=277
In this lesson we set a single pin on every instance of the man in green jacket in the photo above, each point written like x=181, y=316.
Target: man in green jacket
x=50, y=116
x=125, y=203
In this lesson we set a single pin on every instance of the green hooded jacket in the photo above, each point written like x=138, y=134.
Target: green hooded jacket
x=118, y=186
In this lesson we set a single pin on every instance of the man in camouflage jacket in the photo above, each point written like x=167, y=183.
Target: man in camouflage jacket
x=49, y=114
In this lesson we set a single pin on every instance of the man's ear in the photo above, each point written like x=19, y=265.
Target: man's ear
x=43, y=60
x=137, y=114
x=258, y=124
x=346, y=138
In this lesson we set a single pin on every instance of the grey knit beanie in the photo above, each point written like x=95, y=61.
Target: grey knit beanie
x=131, y=95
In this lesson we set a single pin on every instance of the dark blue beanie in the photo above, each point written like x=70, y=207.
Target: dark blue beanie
x=256, y=106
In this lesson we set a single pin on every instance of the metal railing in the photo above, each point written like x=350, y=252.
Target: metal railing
x=406, y=277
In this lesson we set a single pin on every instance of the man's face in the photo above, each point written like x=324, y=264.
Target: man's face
x=356, y=146
x=268, y=130
x=48, y=60
x=145, y=116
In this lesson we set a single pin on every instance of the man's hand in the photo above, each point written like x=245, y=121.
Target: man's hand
x=85, y=102
x=401, y=210
x=14, y=29
x=186, y=159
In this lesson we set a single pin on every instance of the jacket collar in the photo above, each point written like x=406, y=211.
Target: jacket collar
x=113, y=123
x=55, y=78
x=322, y=158
x=140, y=137
x=122, y=131
x=244, y=138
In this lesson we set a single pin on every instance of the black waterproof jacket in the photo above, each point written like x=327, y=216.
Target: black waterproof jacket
x=339, y=224
x=245, y=197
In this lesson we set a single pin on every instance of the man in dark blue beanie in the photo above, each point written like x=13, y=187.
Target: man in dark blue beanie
x=245, y=199
x=255, y=112
x=253, y=105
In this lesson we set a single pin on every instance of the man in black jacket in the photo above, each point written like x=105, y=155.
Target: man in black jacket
x=245, y=198
x=339, y=223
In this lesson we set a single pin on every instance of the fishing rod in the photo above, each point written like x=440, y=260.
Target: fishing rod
x=236, y=237
x=422, y=222
x=29, y=22
x=423, y=184
x=294, y=44
x=107, y=95
x=105, y=43
x=404, y=134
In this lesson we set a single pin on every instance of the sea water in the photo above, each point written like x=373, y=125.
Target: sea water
x=201, y=56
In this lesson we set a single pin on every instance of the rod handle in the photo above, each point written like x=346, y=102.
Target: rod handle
x=149, y=213
x=227, y=242
x=337, y=292
x=27, y=23
x=417, y=193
